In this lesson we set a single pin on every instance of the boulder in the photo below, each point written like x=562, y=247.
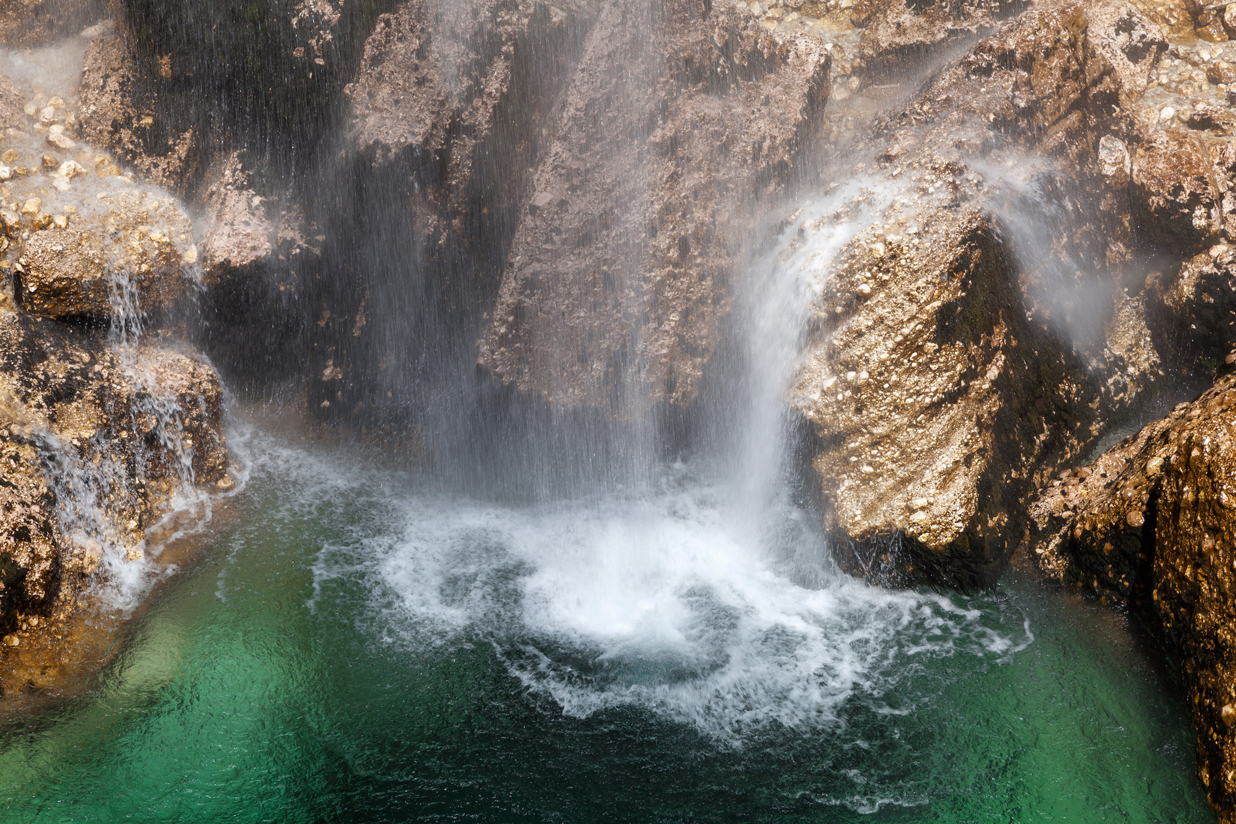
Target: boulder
x=1151, y=524
x=963, y=343
x=620, y=270
x=125, y=258
x=94, y=443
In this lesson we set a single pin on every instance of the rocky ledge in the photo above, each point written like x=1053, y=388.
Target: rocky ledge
x=111, y=427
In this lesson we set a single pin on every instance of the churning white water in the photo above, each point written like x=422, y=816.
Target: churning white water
x=706, y=596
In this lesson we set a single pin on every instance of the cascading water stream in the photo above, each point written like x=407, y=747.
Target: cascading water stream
x=595, y=633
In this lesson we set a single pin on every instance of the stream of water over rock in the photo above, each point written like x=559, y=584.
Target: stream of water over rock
x=565, y=620
x=667, y=644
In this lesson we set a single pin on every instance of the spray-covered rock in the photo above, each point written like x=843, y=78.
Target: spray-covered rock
x=900, y=35
x=620, y=270
x=27, y=23
x=163, y=150
x=126, y=254
x=98, y=441
x=962, y=342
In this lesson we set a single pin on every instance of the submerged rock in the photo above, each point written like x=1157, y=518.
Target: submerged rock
x=620, y=270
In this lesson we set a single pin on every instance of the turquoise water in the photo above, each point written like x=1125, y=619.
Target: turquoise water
x=354, y=648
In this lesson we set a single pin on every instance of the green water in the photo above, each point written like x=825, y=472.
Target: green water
x=332, y=659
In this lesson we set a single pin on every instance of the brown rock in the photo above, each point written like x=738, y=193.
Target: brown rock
x=1198, y=302
x=1155, y=528
x=30, y=23
x=619, y=273
x=133, y=250
x=944, y=397
x=79, y=421
x=900, y=35
x=1174, y=192
x=1209, y=116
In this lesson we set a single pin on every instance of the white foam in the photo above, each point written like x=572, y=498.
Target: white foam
x=652, y=601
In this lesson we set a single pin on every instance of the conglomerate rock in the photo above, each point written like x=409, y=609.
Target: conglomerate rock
x=1152, y=524
x=947, y=370
x=900, y=34
x=620, y=270
x=98, y=441
x=127, y=257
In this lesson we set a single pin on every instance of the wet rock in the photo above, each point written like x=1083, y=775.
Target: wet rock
x=256, y=253
x=981, y=352
x=619, y=272
x=93, y=445
x=126, y=254
x=1194, y=309
x=1174, y=192
x=30, y=23
x=174, y=78
x=900, y=34
x=113, y=117
x=1152, y=524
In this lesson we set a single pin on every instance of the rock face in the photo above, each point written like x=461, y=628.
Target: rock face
x=30, y=23
x=945, y=375
x=113, y=116
x=620, y=270
x=98, y=441
x=900, y=34
x=102, y=433
x=1152, y=524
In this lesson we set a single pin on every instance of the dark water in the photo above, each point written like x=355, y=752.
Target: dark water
x=354, y=648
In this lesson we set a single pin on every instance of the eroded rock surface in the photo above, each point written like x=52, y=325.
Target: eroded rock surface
x=128, y=257
x=98, y=442
x=945, y=374
x=620, y=270
x=1152, y=524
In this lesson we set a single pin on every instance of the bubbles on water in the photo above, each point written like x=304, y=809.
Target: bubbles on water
x=650, y=601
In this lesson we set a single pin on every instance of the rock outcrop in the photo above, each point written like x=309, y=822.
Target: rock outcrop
x=620, y=270
x=946, y=375
x=1152, y=524
x=128, y=257
x=103, y=432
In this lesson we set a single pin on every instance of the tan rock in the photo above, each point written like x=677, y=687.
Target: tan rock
x=619, y=273
x=139, y=239
x=1153, y=526
x=76, y=416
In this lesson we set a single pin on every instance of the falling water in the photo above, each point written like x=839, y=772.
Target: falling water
x=566, y=639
